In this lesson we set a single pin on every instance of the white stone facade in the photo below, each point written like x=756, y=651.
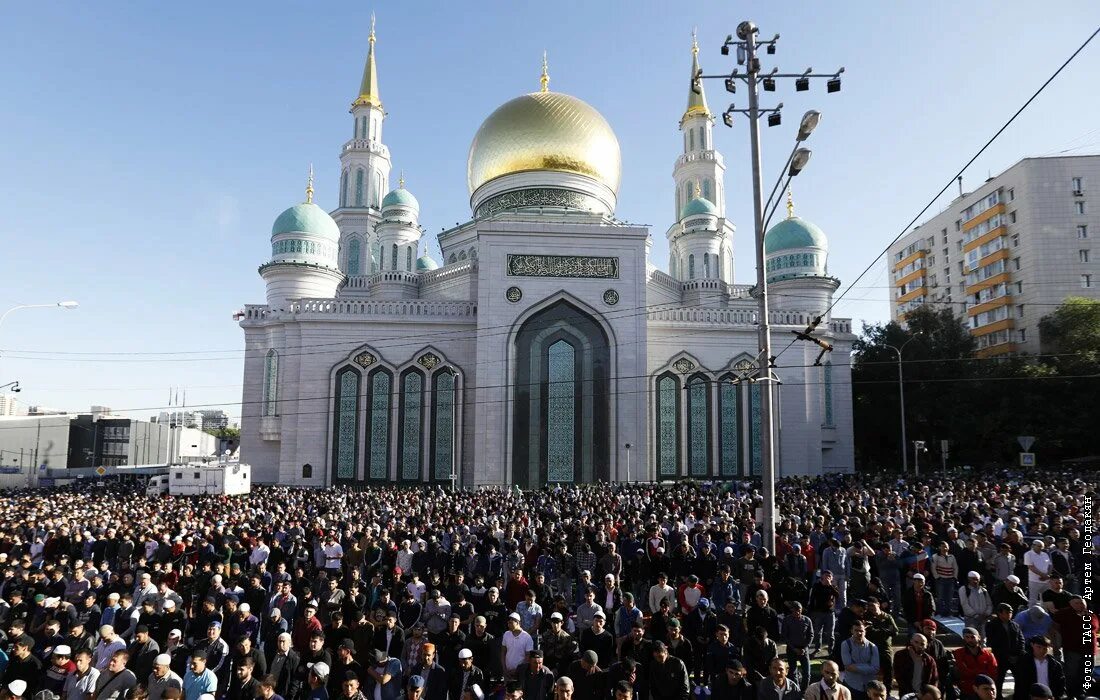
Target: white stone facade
x=402, y=374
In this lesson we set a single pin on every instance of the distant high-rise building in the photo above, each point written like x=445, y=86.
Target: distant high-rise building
x=182, y=418
x=9, y=406
x=214, y=420
x=1007, y=254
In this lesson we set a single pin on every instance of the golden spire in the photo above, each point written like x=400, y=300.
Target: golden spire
x=697, y=101
x=401, y=180
x=790, y=203
x=544, y=79
x=309, y=186
x=368, y=88
x=698, y=192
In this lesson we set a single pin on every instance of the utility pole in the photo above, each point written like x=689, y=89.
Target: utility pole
x=747, y=48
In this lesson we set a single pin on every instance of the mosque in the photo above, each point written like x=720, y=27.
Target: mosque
x=545, y=346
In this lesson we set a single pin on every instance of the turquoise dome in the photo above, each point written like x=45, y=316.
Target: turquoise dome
x=698, y=206
x=793, y=233
x=306, y=218
x=425, y=263
x=400, y=197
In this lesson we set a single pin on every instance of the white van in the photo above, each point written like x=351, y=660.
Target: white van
x=157, y=486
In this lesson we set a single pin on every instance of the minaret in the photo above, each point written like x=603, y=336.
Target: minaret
x=398, y=235
x=700, y=164
x=364, y=173
x=701, y=242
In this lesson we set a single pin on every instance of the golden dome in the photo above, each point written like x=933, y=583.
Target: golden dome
x=544, y=131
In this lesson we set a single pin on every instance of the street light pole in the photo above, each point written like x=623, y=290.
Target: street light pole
x=60, y=305
x=746, y=31
x=901, y=403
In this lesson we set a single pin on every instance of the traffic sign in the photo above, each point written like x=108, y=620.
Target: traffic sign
x=1027, y=459
x=1026, y=441
x=944, y=445
x=101, y=470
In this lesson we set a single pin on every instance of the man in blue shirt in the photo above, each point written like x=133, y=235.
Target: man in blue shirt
x=199, y=680
x=384, y=674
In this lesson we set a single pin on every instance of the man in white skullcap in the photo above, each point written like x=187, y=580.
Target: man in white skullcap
x=162, y=678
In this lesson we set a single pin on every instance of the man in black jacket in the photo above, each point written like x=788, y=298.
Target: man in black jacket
x=1026, y=670
x=668, y=678
x=589, y=680
x=282, y=663
x=464, y=674
x=917, y=604
x=1005, y=640
x=536, y=680
x=733, y=685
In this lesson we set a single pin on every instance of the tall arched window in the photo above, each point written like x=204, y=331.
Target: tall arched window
x=462, y=255
x=375, y=257
x=708, y=189
x=756, y=429
x=359, y=187
x=411, y=417
x=827, y=382
x=706, y=265
x=271, y=384
x=691, y=139
x=689, y=191
x=541, y=431
x=702, y=138
x=379, y=388
x=561, y=412
x=691, y=266
x=376, y=192
x=729, y=427
x=408, y=259
x=344, y=188
x=672, y=266
x=668, y=426
x=698, y=415
x=353, y=257
x=393, y=257
x=345, y=425
x=443, y=426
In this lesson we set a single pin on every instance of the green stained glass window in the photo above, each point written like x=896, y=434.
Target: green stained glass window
x=827, y=381
x=698, y=427
x=347, y=422
x=560, y=412
x=359, y=187
x=668, y=443
x=412, y=404
x=344, y=189
x=443, y=402
x=729, y=413
x=755, y=400
x=353, y=257
x=271, y=384
x=379, y=435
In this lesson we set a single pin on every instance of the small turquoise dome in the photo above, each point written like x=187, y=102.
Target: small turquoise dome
x=400, y=197
x=698, y=206
x=426, y=262
x=306, y=218
x=793, y=233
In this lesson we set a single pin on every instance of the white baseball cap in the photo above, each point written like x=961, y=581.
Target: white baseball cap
x=17, y=687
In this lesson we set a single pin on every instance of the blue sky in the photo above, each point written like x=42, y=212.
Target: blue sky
x=148, y=147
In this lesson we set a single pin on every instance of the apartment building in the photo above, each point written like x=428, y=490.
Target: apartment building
x=1006, y=254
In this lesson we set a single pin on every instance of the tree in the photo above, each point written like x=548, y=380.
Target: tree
x=937, y=350
x=1072, y=333
x=979, y=404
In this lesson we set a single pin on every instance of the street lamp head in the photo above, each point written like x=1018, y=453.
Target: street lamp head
x=746, y=29
x=68, y=304
x=809, y=123
x=799, y=161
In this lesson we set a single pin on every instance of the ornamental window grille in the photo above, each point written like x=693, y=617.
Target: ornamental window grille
x=380, y=386
x=698, y=415
x=359, y=187
x=443, y=426
x=271, y=384
x=561, y=412
x=410, y=420
x=346, y=424
x=668, y=425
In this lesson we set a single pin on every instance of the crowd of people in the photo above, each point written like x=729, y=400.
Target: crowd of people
x=624, y=592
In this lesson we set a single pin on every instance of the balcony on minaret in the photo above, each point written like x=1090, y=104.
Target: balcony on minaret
x=368, y=145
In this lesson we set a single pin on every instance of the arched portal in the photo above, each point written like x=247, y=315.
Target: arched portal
x=562, y=404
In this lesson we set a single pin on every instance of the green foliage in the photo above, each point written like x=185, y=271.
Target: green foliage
x=978, y=404
x=227, y=433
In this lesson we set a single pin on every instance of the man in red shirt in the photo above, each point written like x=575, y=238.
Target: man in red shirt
x=971, y=661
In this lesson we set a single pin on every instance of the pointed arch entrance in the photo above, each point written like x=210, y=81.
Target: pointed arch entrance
x=560, y=430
